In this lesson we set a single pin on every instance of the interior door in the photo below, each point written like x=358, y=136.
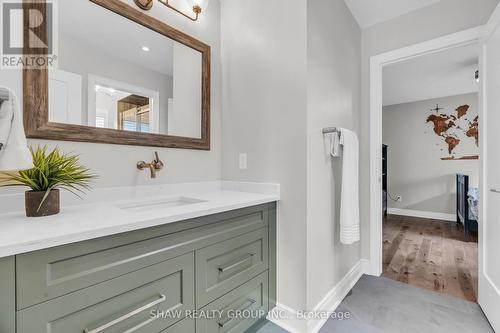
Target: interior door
x=65, y=97
x=489, y=224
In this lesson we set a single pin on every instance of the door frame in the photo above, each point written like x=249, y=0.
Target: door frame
x=377, y=63
x=489, y=292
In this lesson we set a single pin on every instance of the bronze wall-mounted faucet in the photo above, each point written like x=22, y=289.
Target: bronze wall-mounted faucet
x=154, y=166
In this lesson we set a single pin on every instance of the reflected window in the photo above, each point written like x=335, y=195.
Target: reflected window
x=122, y=110
x=133, y=114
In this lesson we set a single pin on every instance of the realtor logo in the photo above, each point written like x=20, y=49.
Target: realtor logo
x=27, y=42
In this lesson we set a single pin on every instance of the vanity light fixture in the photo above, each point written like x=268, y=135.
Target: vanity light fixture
x=198, y=6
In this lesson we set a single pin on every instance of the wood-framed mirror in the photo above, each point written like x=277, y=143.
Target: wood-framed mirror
x=121, y=77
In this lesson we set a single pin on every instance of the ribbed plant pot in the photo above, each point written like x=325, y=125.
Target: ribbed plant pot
x=50, y=206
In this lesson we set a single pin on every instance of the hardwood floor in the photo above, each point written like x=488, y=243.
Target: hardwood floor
x=430, y=254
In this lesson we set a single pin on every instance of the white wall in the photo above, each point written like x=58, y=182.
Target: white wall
x=415, y=169
x=115, y=164
x=184, y=118
x=279, y=91
x=264, y=94
x=76, y=58
x=333, y=99
x=443, y=18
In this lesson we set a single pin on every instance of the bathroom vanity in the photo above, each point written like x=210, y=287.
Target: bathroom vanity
x=149, y=279
x=160, y=258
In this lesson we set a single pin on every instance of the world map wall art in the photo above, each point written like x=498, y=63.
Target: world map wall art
x=458, y=132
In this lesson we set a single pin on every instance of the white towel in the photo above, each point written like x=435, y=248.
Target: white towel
x=349, y=205
x=335, y=144
x=14, y=153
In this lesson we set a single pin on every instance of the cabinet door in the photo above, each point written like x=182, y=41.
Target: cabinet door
x=7, y=295
x=238, y=310
x=134, y=302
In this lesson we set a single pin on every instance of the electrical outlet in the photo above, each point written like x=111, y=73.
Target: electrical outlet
x=399, y=198
x=243, y=161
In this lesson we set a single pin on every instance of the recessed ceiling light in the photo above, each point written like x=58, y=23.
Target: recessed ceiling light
x=145, y=49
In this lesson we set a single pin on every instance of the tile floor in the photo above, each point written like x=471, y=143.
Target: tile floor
x=381, y=305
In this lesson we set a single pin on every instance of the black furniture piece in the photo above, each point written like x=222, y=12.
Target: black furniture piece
x=384, y=179
x=464, y=215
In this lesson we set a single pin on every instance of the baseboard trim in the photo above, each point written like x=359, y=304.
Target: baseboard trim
x=333, y=299
x=366, y=267
x=288, y=318
x=422, y=214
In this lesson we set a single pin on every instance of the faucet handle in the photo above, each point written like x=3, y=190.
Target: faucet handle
x=158, y=163
x=154, y=166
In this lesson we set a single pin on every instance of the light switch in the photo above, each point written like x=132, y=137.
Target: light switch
x=243, y=161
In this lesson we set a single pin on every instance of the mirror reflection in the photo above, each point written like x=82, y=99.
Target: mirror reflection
x=120, y=75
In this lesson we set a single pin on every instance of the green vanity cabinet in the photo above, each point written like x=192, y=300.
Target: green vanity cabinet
x=161, y=287
x=116, y=284
x=221, y=267
x=184, y=326
x=7, y=295
x=241, y=308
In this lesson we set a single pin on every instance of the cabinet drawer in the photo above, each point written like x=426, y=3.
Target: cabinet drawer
x=184, y=326
x=50, y=273
x=123, y=304
x=224, y=266
x=240, y=309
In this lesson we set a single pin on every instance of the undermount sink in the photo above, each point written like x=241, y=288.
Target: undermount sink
x=160, y=204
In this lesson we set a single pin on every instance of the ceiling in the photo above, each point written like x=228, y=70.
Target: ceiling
x=117, y=36
x=446, y=73
x=371, y=12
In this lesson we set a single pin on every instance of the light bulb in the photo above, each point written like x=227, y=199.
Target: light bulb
x=201, y=4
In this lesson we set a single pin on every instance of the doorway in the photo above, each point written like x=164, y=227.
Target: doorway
x=431, y=171
x=378, y=63
x=488, y=37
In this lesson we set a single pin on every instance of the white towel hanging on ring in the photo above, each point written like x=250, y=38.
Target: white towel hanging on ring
x=335, y=144
x=14, y=152
x=349, y=202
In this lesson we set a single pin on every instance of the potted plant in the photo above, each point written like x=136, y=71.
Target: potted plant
x=52, y=171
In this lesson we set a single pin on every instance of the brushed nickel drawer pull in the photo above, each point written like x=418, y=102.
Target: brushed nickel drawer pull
x=250, y=303
x=127, y=316
x=241, y=261
x=495, y=190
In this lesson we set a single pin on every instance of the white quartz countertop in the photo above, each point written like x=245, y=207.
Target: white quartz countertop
x=99, y=217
